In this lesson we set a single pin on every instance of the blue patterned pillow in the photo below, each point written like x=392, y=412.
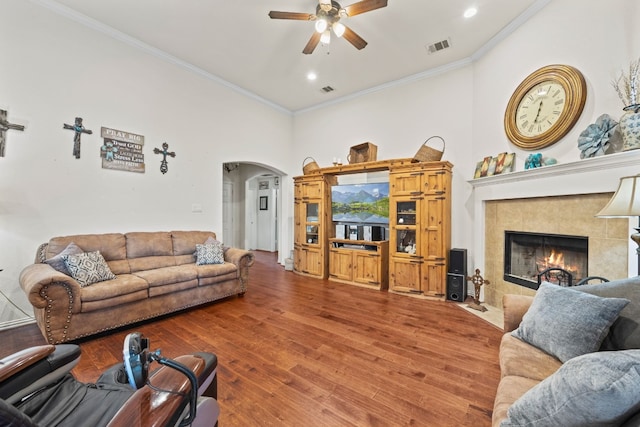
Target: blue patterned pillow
x=209, y=253
x=57, y=262
x=567, y=323
x=595, y=389
x=88, y=268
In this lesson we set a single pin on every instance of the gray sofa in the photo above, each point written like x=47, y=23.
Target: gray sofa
x=155, y=273
x=593, y=386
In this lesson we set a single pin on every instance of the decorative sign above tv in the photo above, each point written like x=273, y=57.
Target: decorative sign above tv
x=366, y=203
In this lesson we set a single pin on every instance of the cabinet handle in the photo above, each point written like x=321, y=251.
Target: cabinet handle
x=440, y=259
x=440, y=264
x=416, y=262
x=440, y=172
x=416, y=174
x=416, y=193
x=441, y=198
x=416, y=198
x=440, y=192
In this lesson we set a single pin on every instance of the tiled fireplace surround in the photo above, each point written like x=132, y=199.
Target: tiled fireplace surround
x=558, y=199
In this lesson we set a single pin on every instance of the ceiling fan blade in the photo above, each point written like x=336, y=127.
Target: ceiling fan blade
x=312, y=43
x=351, y=36
x=364, y=6
x=299, y=16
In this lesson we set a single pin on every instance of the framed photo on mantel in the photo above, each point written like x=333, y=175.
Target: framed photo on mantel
x=489, y=166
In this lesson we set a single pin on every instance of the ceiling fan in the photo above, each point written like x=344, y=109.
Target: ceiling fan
x=327, y=17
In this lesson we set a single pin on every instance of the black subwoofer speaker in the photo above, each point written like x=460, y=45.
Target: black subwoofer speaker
x=458, y=261
x=456, y=287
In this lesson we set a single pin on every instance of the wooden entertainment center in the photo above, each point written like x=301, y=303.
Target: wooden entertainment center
x=413, y=256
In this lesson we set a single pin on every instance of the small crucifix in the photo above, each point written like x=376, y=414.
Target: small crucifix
x=164, y=167
x=5, y=126
x=477, y=281
x=79, y=129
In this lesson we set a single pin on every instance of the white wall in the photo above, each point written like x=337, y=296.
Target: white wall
x=53, y=69
x=466, y=106
x=398, y=121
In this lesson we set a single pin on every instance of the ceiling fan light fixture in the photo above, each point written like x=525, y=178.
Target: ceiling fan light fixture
x=321, y=25
x=325, y=5
x=325, y=38
x=338, y=29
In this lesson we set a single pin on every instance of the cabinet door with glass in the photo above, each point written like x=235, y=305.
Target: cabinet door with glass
x=310, y=222
x=404, y=225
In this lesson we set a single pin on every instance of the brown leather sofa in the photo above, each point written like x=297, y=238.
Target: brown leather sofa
x=156, y=274
x=524, y=366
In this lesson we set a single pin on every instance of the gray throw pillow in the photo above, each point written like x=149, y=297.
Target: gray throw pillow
x=210, y=253
x=88, y=268
x=567, y=323
x=625, y=331
x=57, y=262
x=596, y=389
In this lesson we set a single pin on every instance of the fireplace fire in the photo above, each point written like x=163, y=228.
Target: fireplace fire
x=526, y=255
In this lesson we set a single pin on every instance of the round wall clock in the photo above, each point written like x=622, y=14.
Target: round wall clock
x=545, y=106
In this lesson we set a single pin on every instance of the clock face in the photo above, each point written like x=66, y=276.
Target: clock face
x=545, y=106
x=540, y=108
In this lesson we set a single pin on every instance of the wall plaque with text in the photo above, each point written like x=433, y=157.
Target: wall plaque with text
x=122, y=150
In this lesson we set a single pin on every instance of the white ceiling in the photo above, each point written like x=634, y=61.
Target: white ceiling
x=237, y=43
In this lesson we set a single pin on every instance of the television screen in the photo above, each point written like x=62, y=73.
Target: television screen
x=360, y=203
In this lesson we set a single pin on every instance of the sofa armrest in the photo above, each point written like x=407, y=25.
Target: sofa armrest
x=34, y=278
x=239, y=257
x=514, y=306
x=243, y=259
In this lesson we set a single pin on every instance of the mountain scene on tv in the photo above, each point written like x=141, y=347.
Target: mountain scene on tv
x=361, y=203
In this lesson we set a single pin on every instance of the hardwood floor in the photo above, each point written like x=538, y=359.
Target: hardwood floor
x=296, y=351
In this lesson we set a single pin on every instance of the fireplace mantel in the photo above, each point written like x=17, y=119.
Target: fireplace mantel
x=587, y=176
x=613, y=162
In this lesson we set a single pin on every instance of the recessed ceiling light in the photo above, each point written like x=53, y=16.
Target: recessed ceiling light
x=470, y=12
x=312, y=76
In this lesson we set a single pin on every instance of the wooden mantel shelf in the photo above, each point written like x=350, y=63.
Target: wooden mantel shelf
x=593, y=164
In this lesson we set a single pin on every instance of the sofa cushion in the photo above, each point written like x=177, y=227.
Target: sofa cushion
x=210, y=253
x=151, y=262
x=184, y=242
x=168, y=275
x=625, y=331
x=567, y=323
x=145, y=244
x=57, y=262
x=510, y=389
x=524, y=360
x=88, y=268
x=600, y=389
x=111, y=245
x=122, y=285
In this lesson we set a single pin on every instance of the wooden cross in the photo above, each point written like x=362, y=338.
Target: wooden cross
x=164, y=166
x=79, y=130
x=5, y=126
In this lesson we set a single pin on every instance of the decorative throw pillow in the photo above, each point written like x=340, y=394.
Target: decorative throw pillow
x=567, y=323
x=57, y=261
x=88, y=268
x=210, y=253
x=601, y=388
x=212, y=240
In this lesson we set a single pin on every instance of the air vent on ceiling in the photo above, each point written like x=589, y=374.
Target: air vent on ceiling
x=327, y=89
x=438, y=46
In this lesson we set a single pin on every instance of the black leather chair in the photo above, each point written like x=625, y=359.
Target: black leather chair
x=38, y=390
